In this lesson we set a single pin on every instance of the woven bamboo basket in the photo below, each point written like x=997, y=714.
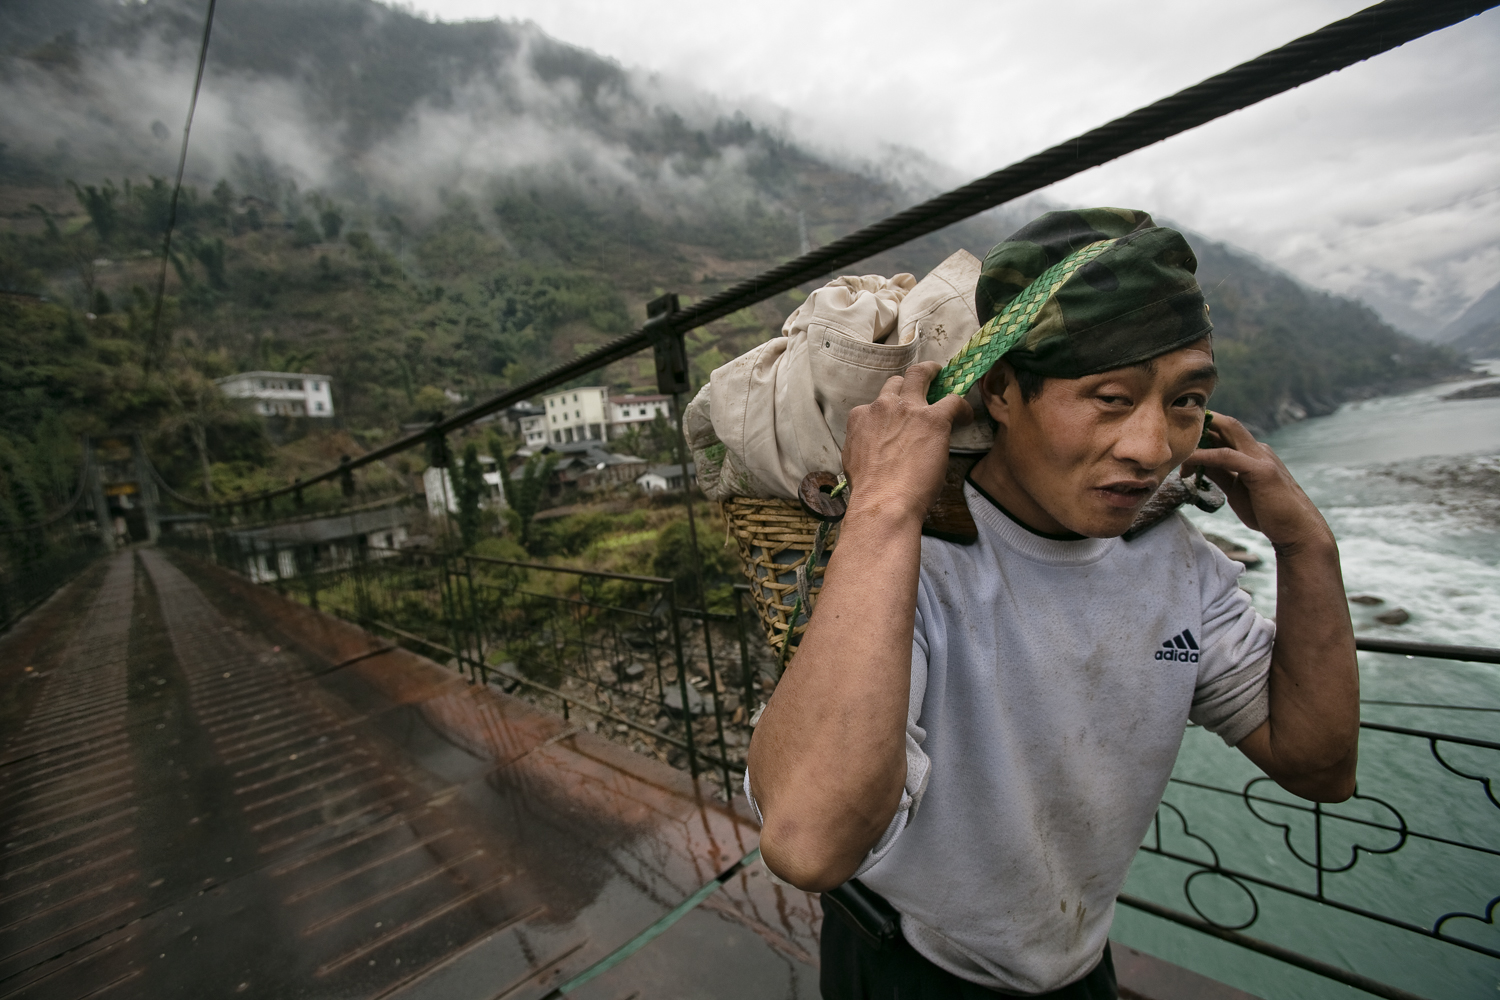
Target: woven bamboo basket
x=775, y=537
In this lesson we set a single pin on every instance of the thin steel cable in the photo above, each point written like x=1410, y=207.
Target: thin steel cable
x=187, y=128
x=655, y=930
x=1342, y=43
x=166, y=487
x=71, y=505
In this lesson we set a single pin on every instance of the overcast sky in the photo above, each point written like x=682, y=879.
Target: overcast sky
x=1382, y=181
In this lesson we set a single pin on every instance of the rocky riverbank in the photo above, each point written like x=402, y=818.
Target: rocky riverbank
x=1467, y=485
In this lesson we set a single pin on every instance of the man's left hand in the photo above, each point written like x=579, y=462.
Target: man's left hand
x=1259, y=487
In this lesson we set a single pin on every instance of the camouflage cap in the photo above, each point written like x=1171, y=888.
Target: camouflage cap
x=1135, y=300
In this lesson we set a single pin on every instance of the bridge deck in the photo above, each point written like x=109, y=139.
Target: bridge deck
x=207, y=790
x=198, y=799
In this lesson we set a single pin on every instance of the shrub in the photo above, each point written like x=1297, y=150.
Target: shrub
x=674, y=559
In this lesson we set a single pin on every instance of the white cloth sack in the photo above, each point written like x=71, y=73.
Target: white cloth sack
x=778, y=412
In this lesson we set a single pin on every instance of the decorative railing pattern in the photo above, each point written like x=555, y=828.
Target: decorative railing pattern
x=1435, y=834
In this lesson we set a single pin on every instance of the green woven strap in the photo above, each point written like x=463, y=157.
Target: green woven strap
x=1008, y=326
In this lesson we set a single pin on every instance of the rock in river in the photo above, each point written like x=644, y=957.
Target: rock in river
x=1237, y=552
x=1395, y=616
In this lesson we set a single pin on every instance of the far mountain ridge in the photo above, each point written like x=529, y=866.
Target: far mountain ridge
x=412, y=207
x=1477, y=329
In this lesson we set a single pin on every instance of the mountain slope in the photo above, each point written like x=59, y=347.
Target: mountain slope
x=414, y=207
x=1287, y=351
x=1477, y=328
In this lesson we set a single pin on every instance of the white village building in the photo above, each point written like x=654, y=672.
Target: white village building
x=577, y=414
x=630, y=411
x=660, y=478
x=592, y=414
x=282, y=394
x=437, y=484
x=533, y=428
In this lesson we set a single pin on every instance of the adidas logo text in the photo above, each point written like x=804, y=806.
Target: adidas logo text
x=1181, y=646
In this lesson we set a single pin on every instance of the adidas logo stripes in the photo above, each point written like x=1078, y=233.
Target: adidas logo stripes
x=1181, y=646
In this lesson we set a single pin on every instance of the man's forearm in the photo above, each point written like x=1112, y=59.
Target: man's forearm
x=1312, y=736
x=828, y=760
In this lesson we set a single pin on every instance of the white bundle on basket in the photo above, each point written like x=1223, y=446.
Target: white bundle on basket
x=779, y=412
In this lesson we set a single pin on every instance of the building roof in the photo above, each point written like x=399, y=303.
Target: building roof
x=327, y=529
x=601, y=459
x=576, y=448
x=240, y=375
x=668, y=471
x=632, y=398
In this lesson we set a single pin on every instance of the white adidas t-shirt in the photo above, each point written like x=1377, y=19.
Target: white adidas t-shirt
x=1051, y=683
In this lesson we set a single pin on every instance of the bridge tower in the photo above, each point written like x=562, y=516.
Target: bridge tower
x=125, y=496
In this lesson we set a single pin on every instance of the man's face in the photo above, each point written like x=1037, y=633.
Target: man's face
x=1086, y=454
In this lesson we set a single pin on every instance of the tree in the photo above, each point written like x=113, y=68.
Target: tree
x=224, y=203
x=100, y=204
x=470, y=489
x=333, y=223
x=210, y=254
x=79, y=248
x=154, y=203
x=674, y=559
x=304, y=234
x=525, y=495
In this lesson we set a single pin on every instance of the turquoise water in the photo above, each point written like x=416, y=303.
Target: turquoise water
x=1409, y=485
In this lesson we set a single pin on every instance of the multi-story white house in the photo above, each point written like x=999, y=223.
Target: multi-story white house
x=630, y=411
x=282, y=394
x=533, y=428
x=577, y=414
x=592, y=414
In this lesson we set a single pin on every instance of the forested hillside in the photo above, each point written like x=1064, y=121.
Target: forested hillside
x=418, y=209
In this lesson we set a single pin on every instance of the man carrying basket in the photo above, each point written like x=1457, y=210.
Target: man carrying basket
x=981, y=734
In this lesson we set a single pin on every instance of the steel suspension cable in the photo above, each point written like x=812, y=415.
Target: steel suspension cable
x=166, y=487
x=187, y=128
x=1342, y=43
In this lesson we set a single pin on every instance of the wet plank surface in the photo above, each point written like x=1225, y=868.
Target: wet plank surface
x=207, y=791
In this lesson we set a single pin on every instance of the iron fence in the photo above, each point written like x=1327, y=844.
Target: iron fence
x=34, y=564
x=1412, y=860
x=36, y=559
x=617, y=651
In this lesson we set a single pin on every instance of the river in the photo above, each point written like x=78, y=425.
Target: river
x=1411, y=487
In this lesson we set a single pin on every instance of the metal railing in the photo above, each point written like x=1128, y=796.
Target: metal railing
x=36, y=559
x=1244, y=849
x=617, y=650
x=33, y=565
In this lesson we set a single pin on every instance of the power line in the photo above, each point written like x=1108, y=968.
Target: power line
x=1342, y=43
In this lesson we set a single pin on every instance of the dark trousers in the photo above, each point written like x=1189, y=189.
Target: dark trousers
x=854, y=969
